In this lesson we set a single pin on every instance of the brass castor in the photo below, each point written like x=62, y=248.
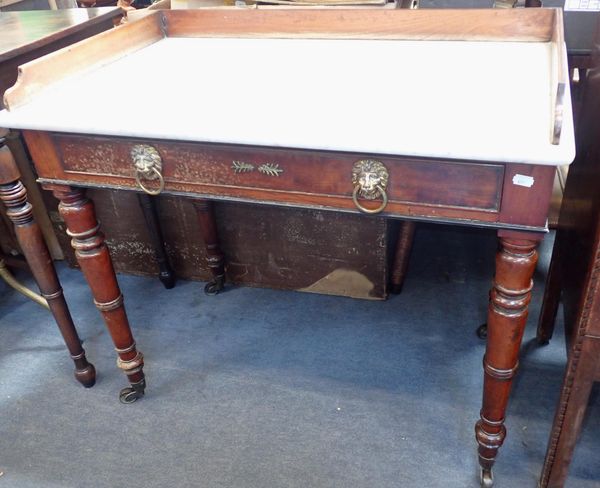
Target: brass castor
x=487, y=478
x=215, y=286
x=132, y=393
x=482, y=331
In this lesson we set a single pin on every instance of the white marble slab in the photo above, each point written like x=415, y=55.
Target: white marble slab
x=486, y=101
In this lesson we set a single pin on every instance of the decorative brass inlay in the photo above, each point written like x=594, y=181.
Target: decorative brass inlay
x=270, y=169
x=241, y=167
x=370, y=179
x=148, y=166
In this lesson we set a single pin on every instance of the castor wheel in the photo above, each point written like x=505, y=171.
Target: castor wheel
x=487, y=478
x=215, y=286
x=131, y=393
x=482, y=331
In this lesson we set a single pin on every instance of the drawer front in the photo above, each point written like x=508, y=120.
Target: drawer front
x=283, y=175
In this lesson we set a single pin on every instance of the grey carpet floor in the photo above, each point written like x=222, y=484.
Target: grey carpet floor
x=258, y=388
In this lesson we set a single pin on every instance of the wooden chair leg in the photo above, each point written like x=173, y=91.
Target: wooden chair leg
x=551, y=299
x=509, y=301
x=148, y=205
x=216, y=260
x=14, y=196
x=576, y=388
x=406, y=235
x=93, y=257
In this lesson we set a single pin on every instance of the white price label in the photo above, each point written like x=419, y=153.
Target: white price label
x=523, y=180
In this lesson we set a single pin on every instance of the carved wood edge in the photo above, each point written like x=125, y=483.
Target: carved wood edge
x=587, y=306
x=80, y=58
x=18, y=209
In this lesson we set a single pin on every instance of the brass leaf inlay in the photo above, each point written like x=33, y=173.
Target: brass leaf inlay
x=270, y=169
x=241, y=167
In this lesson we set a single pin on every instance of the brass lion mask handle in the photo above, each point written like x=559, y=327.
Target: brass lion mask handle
x=148, y=166
x=370, y=179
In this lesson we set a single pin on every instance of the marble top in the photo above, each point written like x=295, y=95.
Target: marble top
x=466, y=100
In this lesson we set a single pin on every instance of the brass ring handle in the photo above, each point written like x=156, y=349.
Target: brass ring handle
x=148, y=166
x=370, y=178
x=369, y=210
x=150, y=191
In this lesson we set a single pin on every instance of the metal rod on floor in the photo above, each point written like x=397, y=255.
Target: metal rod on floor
x=7, y=276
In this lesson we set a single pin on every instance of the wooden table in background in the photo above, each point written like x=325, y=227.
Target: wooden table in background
x=25, y=36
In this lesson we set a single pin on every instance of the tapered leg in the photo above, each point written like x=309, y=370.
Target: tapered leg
x=406, y=235
x=576, y=388
x=166, y=275
x=94, y=259
x=507, y=314
x=216, y=261
x=551, y=298
x=14, y=196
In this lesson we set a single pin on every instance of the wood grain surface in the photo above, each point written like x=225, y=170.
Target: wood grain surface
x=22, y=32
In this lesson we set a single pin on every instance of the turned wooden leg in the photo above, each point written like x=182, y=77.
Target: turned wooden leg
x=166, y=275
x=507, y=314
x=14, y=196
x=216, y=261
x=551, y=298
x=570, y=413
x=406, y=235
x=94, y=259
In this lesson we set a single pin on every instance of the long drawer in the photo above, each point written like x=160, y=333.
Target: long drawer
x=281, y=176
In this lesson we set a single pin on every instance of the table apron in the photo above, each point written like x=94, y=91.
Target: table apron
x=463, y=192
